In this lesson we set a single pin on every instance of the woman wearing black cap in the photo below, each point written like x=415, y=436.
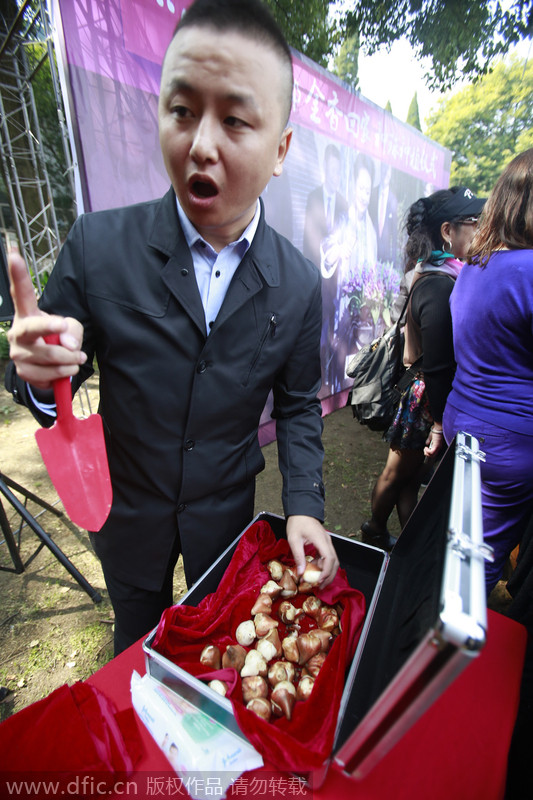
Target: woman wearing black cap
x=440, y=228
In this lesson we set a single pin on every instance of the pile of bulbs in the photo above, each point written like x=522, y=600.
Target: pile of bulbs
x=276, y=671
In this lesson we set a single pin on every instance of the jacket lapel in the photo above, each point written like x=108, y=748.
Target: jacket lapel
x=177, y=272
x=258, y=267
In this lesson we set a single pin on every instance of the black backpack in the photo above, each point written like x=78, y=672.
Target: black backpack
x=379, y=377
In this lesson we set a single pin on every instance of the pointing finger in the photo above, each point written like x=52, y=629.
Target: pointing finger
x=22, y=290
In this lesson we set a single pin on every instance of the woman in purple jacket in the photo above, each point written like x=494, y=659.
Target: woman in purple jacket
x=492, y=394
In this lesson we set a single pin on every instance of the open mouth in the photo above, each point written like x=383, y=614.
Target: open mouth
x=204, y=189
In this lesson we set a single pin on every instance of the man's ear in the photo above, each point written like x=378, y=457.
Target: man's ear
x=283, y=149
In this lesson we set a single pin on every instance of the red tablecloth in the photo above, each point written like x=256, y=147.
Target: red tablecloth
x=458, y=749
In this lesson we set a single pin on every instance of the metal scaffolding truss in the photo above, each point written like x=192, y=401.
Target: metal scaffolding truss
x=21, y=146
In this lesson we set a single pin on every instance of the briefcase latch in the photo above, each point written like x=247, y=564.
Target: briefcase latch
x=463, y=451
x=466, y=548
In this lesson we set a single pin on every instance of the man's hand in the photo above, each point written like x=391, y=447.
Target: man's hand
x=37, y=362
x=308, y=530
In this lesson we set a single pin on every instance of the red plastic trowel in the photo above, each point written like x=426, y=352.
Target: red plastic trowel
x=75, y=456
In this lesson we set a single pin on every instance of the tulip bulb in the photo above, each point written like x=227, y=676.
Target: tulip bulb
x=327, y=618
x=245, y=633
x=311, y=606
x=263, y=604
x=271, y=588
x=312, y=573
x=290, y=648
x=324, y=638
x=292, y=571
x=254, y=686
x=210, y=657
x=276, y=569
x=220, y=687
x=288, y=613
x=264, y=623
x=315, y=664
x=260, y=706
x=308, y=646
x=305, y=687
x=270, y=645
x=281, y=671
x=254, y=664
x=283, y=698
x=234, y=657
x=288, y=585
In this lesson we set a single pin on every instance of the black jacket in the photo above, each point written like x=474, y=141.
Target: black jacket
x=181, y=409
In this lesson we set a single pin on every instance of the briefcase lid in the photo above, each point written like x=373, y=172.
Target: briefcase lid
x=430, y=619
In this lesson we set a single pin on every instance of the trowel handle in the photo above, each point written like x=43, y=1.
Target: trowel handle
x=62, y=387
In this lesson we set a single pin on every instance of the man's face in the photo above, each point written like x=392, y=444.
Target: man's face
x=221, y=127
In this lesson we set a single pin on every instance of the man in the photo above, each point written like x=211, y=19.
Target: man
x=384, y=213
x=326, y=208
x=194, y=310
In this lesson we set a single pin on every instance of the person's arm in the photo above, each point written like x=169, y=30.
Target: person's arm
x=298, y=415
x=431, y=310
x=35, y=364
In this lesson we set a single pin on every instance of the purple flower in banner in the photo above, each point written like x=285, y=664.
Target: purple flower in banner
x=373, y=286
x=354, y=291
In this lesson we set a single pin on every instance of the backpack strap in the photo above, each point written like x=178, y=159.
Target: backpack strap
x=408, y=376
x=411, y=372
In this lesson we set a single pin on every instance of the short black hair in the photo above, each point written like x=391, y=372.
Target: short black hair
x=252, y=18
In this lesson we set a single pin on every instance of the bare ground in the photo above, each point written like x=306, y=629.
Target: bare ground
x=51, y=632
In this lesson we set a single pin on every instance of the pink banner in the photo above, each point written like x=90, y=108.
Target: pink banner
x=148, y=25
x=124, y=40
x=322, y=103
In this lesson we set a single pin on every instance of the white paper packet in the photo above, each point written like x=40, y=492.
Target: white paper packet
x=206, y=756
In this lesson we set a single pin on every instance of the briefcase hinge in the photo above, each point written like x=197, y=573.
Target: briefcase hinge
x=463, y=451
x=466, y=548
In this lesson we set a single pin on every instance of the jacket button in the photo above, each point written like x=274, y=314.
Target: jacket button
x=189, y=444
x=202, y=366
x=184, y=272
x=182, y=507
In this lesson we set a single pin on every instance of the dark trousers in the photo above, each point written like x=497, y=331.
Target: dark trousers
x=138, y=611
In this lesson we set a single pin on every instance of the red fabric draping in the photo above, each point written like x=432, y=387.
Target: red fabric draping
x=74, y=731
x=304, y=742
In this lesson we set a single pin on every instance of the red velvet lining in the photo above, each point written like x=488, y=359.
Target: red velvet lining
x=306, y=741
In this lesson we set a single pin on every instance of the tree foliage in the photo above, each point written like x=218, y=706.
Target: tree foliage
x=308, y=26
x=486, y=124
x=458, y=38
x=346, y=61
x=413, y=114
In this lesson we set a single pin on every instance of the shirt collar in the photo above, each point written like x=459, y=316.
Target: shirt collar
x=193, y=237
